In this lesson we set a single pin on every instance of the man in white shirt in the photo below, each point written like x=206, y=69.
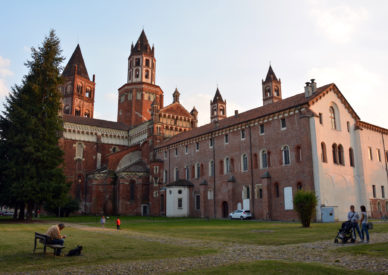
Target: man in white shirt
x=353, y=217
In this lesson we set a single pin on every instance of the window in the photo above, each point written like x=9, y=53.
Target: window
x=197, y=170
x=165, y=154
x=138, y=95
x=197, y=146
x=277, y=190
x=176, y=174
x=186, y=149
x=260, y=193
x=378, y=155
x=69, y=89
x=187, y=172
x=277, y=91
x=244, y=163
x=298, y=154
x=286, y=155
x=374, y=191
x=122, y=98
x=348, y=126
x=137, y=62
x=335, y=153
x=137, y=73
x=255, y=162
x=147, y=62
x=264, y=159
x=67, y=109
x=211, y=141
x=332, y=118
x=77, y=112
x=267, y=91
x=222, y=111
x=88, y=92
x=243, y=134
x=156, y=170
x=351, y=157
x=147, y=74
x=79, y=89
x=370, y=153
x=323, y=155
x=320, y=118
x=221, y=167
x=227, y=165
x=130, y=95
x=261, y=129
x=226, y=138
x=288, y=201
x=165, y=176
x=130, y=75
x=382, y=192
x=197, y=202
x=299, y=186
x=283, y=123
x=211, y=168
x=79, y=150
x=180, y=203
x=176, y=151
x=379, y=206
x=341, y=159
x=132, y=190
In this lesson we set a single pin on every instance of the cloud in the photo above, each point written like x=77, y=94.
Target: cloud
x=338, y=23
x=4, y=73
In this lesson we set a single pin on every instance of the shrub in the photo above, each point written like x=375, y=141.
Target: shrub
x=304, y=204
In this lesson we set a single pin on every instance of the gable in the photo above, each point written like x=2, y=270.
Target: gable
x=175, y=109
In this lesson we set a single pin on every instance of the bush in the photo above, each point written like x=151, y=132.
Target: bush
x=304, y=204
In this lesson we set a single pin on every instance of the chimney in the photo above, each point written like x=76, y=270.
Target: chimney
x=307, y=90
x=236, y=113
x=313, y=86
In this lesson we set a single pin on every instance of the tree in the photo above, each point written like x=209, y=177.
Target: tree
x=30, y=129
x=305, y=203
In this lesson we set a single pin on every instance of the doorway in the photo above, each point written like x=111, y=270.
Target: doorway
x=225, y=209
x=144, y=210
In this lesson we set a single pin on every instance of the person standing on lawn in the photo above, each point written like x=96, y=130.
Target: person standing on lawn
x=364, y=225
x=353, y=217
x=102, y=221
x=118, y=222
x=55, y=237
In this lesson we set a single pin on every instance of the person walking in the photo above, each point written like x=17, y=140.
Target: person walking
x=353, y=217
x=364, y=225
x=118, y=222
x=102, y=221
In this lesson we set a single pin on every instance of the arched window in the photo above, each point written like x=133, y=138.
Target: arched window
x=335, y=153
x=286, y=155
x=222, y=111
x=277, y=91
x=255, y=162
x=176, y=174
x=187, y=172
x=69, y=89
x=137, y=73
x=130, y=75
x=277, y=190
x=147, y=74
x=351, y=157
x=379, y=206
x=211, y=168
x=231, y=169
x=227, y=165
x=298, y=153
x=79, y=89
x=197, y=170
x=88, y=92
x=299, y=186
x=267, y=91
x=332, y=118
x=87, y=113
x=202, y=170
x=221, y=167
x=264, y=159
x=341, y=159
x=77, y=111
x=323, y=155
x=79, y=150
x=244, y=162
x=214, y=110
x=66, y=110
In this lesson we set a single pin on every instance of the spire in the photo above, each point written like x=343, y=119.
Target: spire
x=217, y=97
x=142, y=45
x=76, y=60
x=176, y=95
x=270, y=75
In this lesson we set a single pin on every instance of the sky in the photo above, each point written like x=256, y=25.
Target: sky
x=202, y=45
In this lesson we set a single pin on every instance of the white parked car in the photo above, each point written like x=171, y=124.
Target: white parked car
x=240, y=214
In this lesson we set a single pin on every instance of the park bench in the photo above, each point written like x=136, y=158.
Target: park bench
x=43, y=239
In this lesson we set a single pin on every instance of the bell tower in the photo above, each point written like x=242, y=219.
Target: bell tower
x=217, y=107
x=272, y=88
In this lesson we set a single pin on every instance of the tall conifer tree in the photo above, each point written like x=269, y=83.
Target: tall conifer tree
x=30, y=131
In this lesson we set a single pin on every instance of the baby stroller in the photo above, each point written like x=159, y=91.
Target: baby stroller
x=345, y=233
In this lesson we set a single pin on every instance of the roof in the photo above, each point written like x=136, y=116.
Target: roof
x=142, y=45
x=293, y=101
x=76, y=59
x=217, y=97
x=95, y=122
x=176, y=109
x=137, y=167
x=270, y=75
x=372, y=127
x=183, y=183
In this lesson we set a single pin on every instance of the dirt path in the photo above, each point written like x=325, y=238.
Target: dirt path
x=315, y=252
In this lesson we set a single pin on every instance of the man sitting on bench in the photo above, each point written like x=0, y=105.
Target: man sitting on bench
x=55, y=237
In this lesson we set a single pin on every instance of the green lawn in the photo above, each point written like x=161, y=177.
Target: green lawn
x=16, y=247
x=373, y=250
x=249, y=232
x=275, y=267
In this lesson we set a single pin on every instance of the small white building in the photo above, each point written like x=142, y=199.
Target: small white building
x=178, y=198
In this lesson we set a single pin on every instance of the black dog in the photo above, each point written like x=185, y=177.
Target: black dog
x=75, y=252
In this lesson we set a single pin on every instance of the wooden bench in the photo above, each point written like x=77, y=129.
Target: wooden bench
x=44, y=239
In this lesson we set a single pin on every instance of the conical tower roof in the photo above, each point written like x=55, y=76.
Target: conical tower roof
x=270, y=75
x=76, y=59
x=217, y=97
x=142, y=45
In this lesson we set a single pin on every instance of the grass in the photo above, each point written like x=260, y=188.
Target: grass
x=275, y=267
x=99, y=248
x=373, y=250
x=248, y=232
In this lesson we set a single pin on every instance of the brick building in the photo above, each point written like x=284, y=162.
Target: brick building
x=155, y=160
